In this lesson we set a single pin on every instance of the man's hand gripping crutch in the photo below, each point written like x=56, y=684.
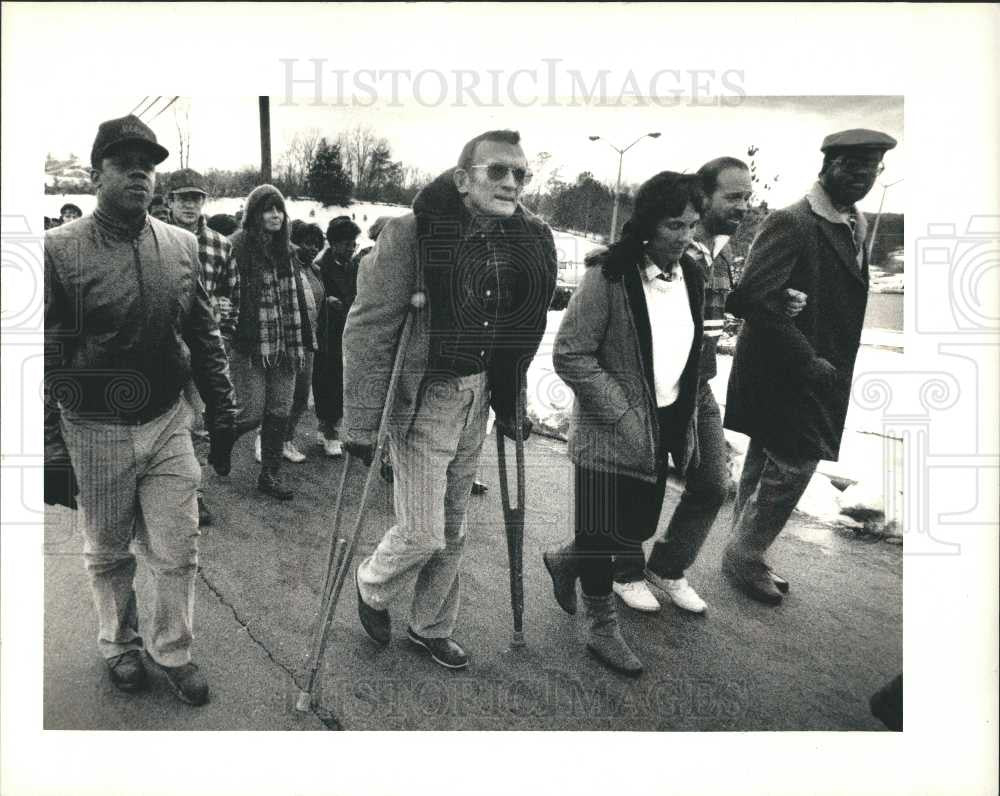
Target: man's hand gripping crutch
x=341, y=550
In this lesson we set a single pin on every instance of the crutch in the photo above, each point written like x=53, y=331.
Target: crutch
x=514, y=518
x=342, y=550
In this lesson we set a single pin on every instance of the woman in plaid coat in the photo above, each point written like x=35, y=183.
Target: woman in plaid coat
x=274, y=331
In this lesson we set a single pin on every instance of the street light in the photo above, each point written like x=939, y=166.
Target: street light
x=878, y=215
x=618, y=182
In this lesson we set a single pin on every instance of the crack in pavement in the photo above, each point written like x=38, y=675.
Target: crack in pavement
x=325, y=717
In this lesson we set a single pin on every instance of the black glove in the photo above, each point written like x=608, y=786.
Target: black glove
x=507, y=426
x=361, y=450
x=61, y=488
x=221, y=451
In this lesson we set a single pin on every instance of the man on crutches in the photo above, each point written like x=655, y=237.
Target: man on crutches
x=487, y=268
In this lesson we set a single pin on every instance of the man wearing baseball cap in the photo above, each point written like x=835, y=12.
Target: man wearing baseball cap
x=186, y=198
x=127, y=321
x=790, y=382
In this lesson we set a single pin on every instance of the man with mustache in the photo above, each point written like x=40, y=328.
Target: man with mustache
x=127, y=324
x=790, y=382
x=487, y=268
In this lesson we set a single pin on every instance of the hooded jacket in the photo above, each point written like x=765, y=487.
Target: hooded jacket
x=127, y=319
x=430, y=240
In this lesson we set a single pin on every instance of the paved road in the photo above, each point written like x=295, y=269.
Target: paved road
x=809, y=664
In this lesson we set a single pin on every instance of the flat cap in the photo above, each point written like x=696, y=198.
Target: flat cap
x=115, y=133
x=858, y=138
x=187, y=181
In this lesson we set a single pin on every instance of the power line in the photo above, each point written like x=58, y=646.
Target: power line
x=140, y=103
x=164, y=108
x=150, y=105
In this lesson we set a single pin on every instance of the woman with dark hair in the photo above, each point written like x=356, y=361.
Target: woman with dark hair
x=629, y=346
x=340, y=280
x=274, y=332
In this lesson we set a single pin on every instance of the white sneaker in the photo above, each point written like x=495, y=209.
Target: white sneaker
x=333, y=448
x=256, y=449
x=636, y=595
x=293, y=454
x=680, y=593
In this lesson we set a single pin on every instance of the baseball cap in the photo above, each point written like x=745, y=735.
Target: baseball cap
x=128, y=129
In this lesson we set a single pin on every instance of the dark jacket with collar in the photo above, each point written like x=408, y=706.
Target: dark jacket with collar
x=435, y=233
x=604, y=352
x=127, y=321
x=719, y=272
x=773, y=394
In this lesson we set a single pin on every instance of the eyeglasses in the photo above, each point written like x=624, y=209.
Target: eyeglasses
x=497, y=172
x=857, y=165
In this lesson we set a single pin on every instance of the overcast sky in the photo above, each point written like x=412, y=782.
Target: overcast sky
x=429, y=135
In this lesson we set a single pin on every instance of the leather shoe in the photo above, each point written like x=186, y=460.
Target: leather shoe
x=779, y=581
x=376, y=623
x=444, y=651
x=127, y=672
x=753, y=578
x=479, y=488
x=187, y=681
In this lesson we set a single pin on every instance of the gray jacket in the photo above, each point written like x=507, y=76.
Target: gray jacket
x=603, y=351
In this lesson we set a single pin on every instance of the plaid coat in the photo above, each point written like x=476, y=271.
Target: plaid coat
x=220, y=276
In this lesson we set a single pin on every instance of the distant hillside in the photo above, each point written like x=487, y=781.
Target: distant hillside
x=67, y=176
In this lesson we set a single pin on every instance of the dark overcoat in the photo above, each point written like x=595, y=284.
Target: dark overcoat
x=773, y=395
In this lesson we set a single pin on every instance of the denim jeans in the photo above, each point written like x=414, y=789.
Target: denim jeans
x=434, y=466
x=705, y=490
x=771, y=485
x=138, y=491
x=300, y=395
x=260, y=390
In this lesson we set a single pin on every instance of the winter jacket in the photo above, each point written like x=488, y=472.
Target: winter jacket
x=126, y=320
x=719, y=273
x=603, y=351
x=773, y=395
x=395, y=269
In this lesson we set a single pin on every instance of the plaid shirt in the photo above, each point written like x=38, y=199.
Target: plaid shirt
x=220, y=276
x=718, y=284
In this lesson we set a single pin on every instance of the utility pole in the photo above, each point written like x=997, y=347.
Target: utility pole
x=265, y=138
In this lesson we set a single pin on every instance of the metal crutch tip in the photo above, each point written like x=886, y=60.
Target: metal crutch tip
x=303, y=703
x=517, y=639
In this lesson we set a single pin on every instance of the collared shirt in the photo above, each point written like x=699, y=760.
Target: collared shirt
x=219, y=276
x=473, y=298
x=822, y=205
x=671, y=325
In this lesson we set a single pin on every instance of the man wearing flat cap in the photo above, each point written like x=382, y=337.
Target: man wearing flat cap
x=790, y=382
x=127, y=324
x=186, y=197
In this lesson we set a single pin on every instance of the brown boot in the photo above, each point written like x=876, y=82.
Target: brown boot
x=561, y=564
x=604, y=639
x=751, y=576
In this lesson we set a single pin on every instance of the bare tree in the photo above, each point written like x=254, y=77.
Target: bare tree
x=293, y=166
x=182, y=118
x=358, y=147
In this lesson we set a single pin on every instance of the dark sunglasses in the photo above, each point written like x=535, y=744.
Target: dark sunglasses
x=497, y=172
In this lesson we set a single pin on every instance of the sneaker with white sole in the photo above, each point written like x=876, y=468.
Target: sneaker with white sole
x=333, y=448
x=293, y=454
x=256, y=449
x=679, y=591
x=636, y=595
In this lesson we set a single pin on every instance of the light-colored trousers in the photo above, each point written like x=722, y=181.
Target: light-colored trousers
x=138, y=492
x=434, y=466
